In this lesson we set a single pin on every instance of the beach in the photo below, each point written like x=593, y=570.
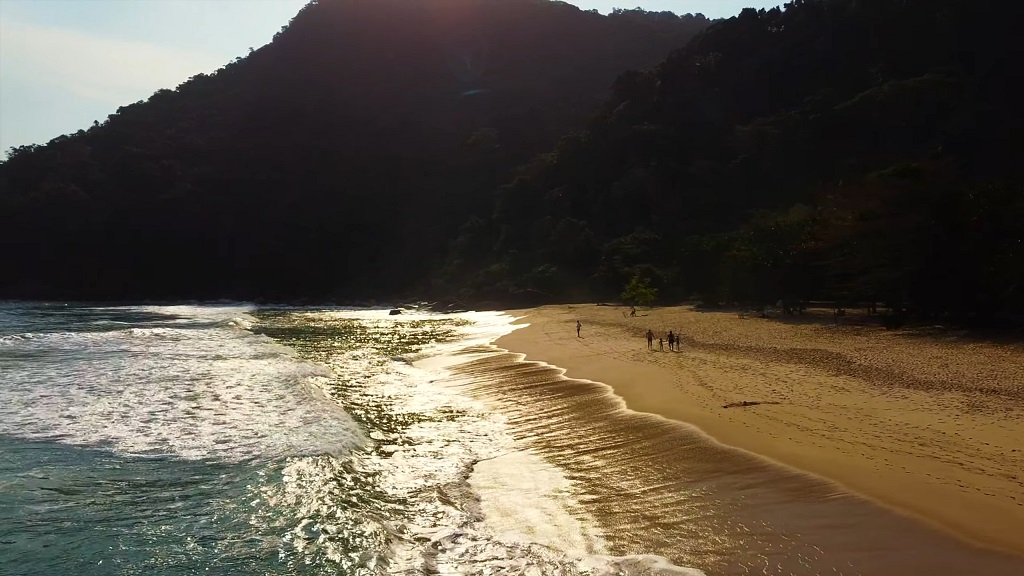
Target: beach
x=916, y=435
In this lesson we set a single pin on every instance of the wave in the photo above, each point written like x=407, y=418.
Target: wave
x=206, y=389
x=359, y=451
x=456, y=460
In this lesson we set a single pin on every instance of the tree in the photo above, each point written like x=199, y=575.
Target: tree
x=639, y=292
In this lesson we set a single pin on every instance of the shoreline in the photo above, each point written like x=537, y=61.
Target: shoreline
x=929, y=428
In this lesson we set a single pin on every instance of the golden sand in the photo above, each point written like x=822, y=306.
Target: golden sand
x=930, y=426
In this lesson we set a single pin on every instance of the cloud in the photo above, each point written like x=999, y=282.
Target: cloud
x=105, y=70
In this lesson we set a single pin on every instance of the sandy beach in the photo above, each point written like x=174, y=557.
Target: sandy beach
x=928, y=425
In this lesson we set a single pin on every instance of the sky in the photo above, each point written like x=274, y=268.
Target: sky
x=67, y=63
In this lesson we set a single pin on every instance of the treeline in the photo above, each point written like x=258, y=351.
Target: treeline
x=336, y=162
x=841, y=150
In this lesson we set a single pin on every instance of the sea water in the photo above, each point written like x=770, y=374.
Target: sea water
x=231, y=439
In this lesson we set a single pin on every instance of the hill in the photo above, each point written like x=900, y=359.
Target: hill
x=842, y=150
x=335, y=162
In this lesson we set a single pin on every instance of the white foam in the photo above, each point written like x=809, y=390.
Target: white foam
x=527, y=503
x=531, y=521
x=636, y=565
x=524, y=499
x=215, y=391
x=201, y=386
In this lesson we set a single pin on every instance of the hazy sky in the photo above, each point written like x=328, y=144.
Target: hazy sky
x=66, y=63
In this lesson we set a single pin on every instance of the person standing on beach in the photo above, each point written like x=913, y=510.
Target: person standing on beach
x=650, y=340
x=578, y=326
x=671, y=340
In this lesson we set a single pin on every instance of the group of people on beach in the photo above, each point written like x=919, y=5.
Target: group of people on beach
x=674, y=341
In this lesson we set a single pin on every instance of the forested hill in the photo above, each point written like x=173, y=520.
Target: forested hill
x=846, y=150
x=336, y=162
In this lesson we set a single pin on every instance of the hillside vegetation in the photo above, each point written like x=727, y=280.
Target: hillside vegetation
x=841, y=150
x=335, y=162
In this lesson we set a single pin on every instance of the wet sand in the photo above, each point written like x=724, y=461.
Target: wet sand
x=929, y=429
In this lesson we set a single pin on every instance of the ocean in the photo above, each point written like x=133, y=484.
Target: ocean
x=235, y=439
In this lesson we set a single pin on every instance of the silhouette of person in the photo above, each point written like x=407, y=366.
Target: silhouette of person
x=650, y=340
x=632, y=311
x=578, y=326
x=671, y=340
x=661, y=344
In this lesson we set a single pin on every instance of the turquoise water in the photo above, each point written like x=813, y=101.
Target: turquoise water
x=148, y=440
x=73, y=510
x=235, y=440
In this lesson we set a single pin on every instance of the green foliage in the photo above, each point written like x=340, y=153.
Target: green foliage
x=339, y=161
x=834, y=150
x=638, y=291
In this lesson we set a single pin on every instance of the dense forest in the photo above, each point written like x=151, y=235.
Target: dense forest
x=336, y=162
x=842, y=150
x=853, y=151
